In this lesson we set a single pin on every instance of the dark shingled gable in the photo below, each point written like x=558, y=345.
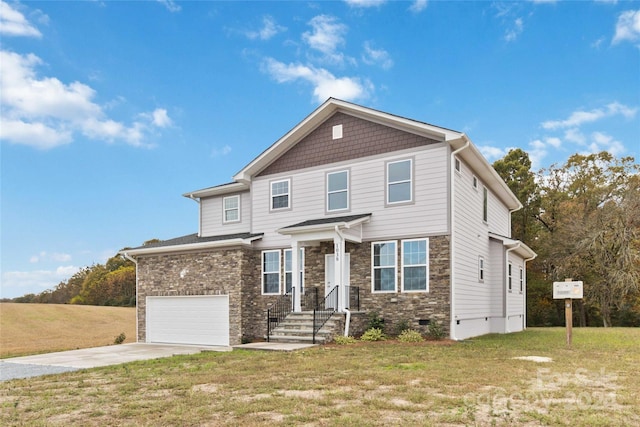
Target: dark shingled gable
x=330, y=220
x=193, y=238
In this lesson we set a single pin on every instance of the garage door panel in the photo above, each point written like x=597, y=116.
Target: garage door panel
x=200, y=320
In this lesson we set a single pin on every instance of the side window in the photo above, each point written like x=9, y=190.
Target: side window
x=338, y=191
x=288, y=270
x=485, y=204
x=231, y=209
x=415, y=269
x=510, y=277
x=521, y=280
x=270, y=272
x=400, y=181
x=480, y=269
x=383, y=263
x=280, y=194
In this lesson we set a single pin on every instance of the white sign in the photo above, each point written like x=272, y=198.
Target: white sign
x=564, y=290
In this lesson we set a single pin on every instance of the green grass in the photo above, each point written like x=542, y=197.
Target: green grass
x=476, y=382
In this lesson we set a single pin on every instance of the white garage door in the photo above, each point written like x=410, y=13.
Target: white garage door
x=201, y=320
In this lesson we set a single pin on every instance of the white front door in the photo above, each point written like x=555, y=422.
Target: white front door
x=329, y=274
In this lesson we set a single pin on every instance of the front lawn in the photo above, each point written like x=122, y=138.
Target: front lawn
x=477, y=382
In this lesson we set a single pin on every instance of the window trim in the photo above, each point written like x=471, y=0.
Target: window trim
x=301, y=250
x=410, y=181
x=510, y=277
x=426, y=265
x=395, y=267
x=263, y=272
x=288, y=194
x=225, y=210
x=485, y=204
x=482, y=269
x=457, y=165
x=347, y=190
x=521, y=280
x=475, y=182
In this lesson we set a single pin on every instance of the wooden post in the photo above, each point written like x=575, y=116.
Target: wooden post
x=568, y=316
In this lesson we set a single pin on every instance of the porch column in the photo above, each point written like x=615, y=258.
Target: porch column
x=338, y=251
x=295, y=275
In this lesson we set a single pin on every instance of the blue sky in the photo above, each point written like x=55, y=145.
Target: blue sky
x=111, y=110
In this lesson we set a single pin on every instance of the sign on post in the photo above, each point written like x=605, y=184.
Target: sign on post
x=568, y=291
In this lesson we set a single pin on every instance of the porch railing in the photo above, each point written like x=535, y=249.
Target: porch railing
x=278, y=311
x=322, y=314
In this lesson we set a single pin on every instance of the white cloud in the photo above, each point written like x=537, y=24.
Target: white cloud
x=514, y=32
x=45, y=256
x=218, y=152
x=574, y=135
x=603, y=142
x=170, y=5
x=537, y=152
x=13, y=23
x=269, y=29
x=554, y=142
x=492, y=153
x=365, y=3
x=326, y=36
x=627, y=27
x=17, y=283
x=578, y=118
x=324, y=83
x=372, y=56
x=418, y=6
x=45, y=112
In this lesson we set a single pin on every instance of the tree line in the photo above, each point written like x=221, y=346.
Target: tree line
x=583, y=220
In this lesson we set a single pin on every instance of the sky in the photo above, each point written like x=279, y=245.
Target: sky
x=110, y=111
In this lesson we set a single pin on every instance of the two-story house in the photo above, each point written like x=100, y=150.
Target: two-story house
x=378, y=212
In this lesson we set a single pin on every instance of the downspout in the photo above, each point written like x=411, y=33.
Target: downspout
x=130, y=258
x=195, y=199
x=347, y=320
x=506, y=287
x=452, y=167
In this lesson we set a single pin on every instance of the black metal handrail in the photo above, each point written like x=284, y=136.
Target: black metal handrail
x=322, y=314
x=353, y=298
x=278, y=311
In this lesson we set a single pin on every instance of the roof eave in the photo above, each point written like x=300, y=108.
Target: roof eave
x=189, y=247
x=219, y=190
x=323, y=227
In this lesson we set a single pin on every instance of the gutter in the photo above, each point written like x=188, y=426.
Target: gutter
x=192, y=246
x=452, y=172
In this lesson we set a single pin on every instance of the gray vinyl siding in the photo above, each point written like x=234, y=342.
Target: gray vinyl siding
x=515, y=303
x=211, y=216
x=474, y=300
x=425, y=215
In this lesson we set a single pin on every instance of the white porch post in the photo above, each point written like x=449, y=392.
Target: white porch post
x=295, y=275
x=338, y=244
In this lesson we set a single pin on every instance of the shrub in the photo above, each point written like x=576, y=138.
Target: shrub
x=435, y=330
x=120, y=338
x=342, y=340
x=401, y=326
x=373, y=334
x=410, y=335
x=375, y=321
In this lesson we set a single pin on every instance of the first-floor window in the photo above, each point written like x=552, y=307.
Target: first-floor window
x=521, y=279
x=288, y=270
x=415, y=256
x=510, y=277
x=271, y=272
x=480, y=269
x=384, y=266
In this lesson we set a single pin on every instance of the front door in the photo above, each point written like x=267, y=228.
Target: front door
x=329, y=274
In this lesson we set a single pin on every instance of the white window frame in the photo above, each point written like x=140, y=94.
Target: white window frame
x=521, y=280
x=457, y=165
x=482, y=271
x=474, y=182
x=345, y=190
x=485, y=204
x=510, y=277
x=262, y=259
x=225, y=209
x=426, y=265
x=390, y=183
x=394, y=267
x=288, y=194
x=288, y=271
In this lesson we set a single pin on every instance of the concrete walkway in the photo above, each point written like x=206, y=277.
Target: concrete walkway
x=64, y=361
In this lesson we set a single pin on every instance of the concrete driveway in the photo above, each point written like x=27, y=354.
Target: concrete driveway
x=64, y=361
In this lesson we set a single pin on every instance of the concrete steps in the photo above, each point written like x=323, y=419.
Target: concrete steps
x=298, y=328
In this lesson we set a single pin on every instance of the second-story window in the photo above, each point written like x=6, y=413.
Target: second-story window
x=338, y=191
x=231, y=209
x=280, y=194
x=399, y=181
x=485, y=204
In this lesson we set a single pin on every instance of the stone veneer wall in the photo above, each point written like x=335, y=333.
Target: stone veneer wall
x=215, y=272
x=392, y=307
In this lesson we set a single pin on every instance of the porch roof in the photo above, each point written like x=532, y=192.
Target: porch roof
x=520, y=248
x=192, y=242
x=326, y=222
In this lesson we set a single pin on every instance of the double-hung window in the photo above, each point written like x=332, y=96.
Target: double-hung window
x=384, y=262
x=338, y=191
x=485, y=204
x=481, y=268
x=521, y=280
x=400, y=181
x=288, y=270
x=281, y=194
x=510, y=277
x=415, y=270
x=231, y=208
x=271, y=272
